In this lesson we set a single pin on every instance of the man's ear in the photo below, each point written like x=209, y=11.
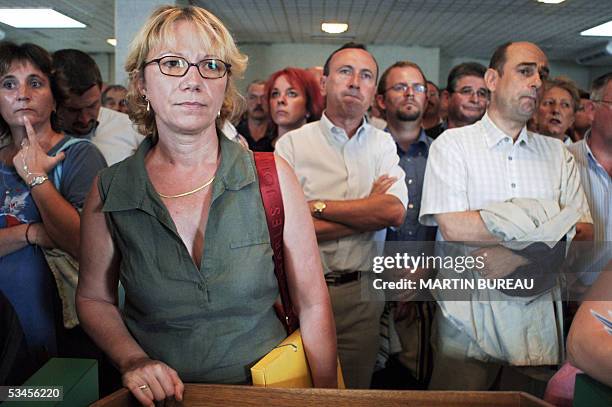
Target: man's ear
x=444, y=97
x=589, y=109
x=491, y=77
x=323, y=83
x=380, y=102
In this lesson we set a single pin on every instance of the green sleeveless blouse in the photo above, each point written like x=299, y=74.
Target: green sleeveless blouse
x=209, y=324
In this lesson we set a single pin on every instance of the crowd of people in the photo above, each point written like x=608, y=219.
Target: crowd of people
x=149, y=195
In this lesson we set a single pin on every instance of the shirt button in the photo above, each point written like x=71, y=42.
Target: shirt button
x=410, y=232
x=510, y=158
x=513, y=185
x=410, y=181
x=410, y=206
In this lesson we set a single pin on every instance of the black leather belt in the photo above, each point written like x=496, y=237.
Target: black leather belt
x=339, y=278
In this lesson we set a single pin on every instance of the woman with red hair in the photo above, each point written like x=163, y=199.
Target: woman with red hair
x=295, y=99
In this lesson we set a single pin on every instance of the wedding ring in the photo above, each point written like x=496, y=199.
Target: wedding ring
x=143, y=387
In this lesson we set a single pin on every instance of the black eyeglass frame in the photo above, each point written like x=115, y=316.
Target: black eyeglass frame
x=227, y=71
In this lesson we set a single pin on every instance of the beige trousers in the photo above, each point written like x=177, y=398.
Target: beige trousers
x=358, y=331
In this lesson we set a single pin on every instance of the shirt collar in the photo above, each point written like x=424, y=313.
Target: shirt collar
x=494, y=135
x=422, y=143
x=587, y=148
x=133, y=189
x=338, y=133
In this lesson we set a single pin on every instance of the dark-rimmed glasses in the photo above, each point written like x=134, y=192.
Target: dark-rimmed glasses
x=605, y=102
x=209, y=68
x=469, y=92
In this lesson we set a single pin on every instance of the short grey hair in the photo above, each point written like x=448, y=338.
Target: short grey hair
x=598, y=86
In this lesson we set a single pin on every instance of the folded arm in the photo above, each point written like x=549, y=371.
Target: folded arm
x=465, y=226
x=367, y=214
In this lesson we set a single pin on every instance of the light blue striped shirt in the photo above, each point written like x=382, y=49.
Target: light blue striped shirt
x=597, y=186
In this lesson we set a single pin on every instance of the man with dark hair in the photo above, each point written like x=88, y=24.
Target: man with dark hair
x=583, y=116
x=466, y=94
x=255, y=126
x=402, y=97
x=348, y=45
x=556, y=112
x=115, y=97
x=498, y=60
x=350, y=174
x=432, y=122
x=82, y=114
x=475, y=170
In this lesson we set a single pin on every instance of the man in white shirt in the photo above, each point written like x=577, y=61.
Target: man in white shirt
x=82, y=114
x=491, y=161
x=350, y=174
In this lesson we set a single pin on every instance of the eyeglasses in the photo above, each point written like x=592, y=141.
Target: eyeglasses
x=209, y=68
x=402, y=87
x=469, y=92
x=606, y=102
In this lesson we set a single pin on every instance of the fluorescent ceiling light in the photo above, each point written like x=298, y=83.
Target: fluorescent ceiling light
x=37, y=18
x=334, y=28
x=551, y=1
x=602, y=30
x=112, y=41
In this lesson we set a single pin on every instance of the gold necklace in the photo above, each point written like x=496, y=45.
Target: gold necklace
x=193, y=191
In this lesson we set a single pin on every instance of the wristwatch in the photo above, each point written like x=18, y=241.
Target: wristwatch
x=37, y=180
x=318, y=208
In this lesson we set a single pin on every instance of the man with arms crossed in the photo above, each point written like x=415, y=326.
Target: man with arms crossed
x=349, y=172
x=491, y=161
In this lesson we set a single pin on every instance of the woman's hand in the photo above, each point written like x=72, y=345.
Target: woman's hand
x=31, y=160
x=151, y=380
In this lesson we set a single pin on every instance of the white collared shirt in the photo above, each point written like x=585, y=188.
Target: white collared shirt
x=330, y=166
x=473, y=166
x=115, y=135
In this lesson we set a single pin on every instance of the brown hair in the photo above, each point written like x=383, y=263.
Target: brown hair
x=39, y=58
x=155, y=32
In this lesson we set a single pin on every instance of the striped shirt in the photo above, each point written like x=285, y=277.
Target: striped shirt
x=473, y=166
x=597, y=186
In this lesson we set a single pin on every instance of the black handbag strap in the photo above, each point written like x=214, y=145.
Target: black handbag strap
x=272, y=199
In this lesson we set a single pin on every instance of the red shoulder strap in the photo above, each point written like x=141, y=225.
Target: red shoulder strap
x=275, y=217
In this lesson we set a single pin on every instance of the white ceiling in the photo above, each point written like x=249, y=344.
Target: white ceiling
x=469, y=28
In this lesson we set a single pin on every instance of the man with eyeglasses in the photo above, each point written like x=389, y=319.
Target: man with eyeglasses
x=466, y=94
x=350, y=175
x=82, y=114
x=478, y=168
x=402, y=97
